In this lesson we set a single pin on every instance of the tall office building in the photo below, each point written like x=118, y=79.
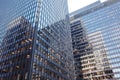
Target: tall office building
x=95, y=35
x=35, y=41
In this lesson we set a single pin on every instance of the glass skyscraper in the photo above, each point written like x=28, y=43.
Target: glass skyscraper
x=35, y=41
x=98, y=25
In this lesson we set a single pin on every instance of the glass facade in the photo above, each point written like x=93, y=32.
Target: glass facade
x=35, y=41
x=82, y=51
x=101, y=25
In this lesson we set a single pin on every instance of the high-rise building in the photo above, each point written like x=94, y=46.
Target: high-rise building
x=35, y=41
x=95, y=36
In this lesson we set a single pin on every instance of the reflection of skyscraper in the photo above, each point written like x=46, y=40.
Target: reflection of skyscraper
x=101, y=28
x=98, y=50
x=100, y=53
x=34, y=46
x=83, y=55
x=16, y=50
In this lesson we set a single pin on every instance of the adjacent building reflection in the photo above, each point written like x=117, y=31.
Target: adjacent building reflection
x=91, y=60
x=16, y=50
x=97, y=25
x=51, y=59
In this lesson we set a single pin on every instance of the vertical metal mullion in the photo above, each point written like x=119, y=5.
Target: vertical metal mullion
x=34, y=38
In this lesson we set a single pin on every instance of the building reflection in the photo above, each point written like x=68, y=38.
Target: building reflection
x=41, y=54
x=16, y=50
